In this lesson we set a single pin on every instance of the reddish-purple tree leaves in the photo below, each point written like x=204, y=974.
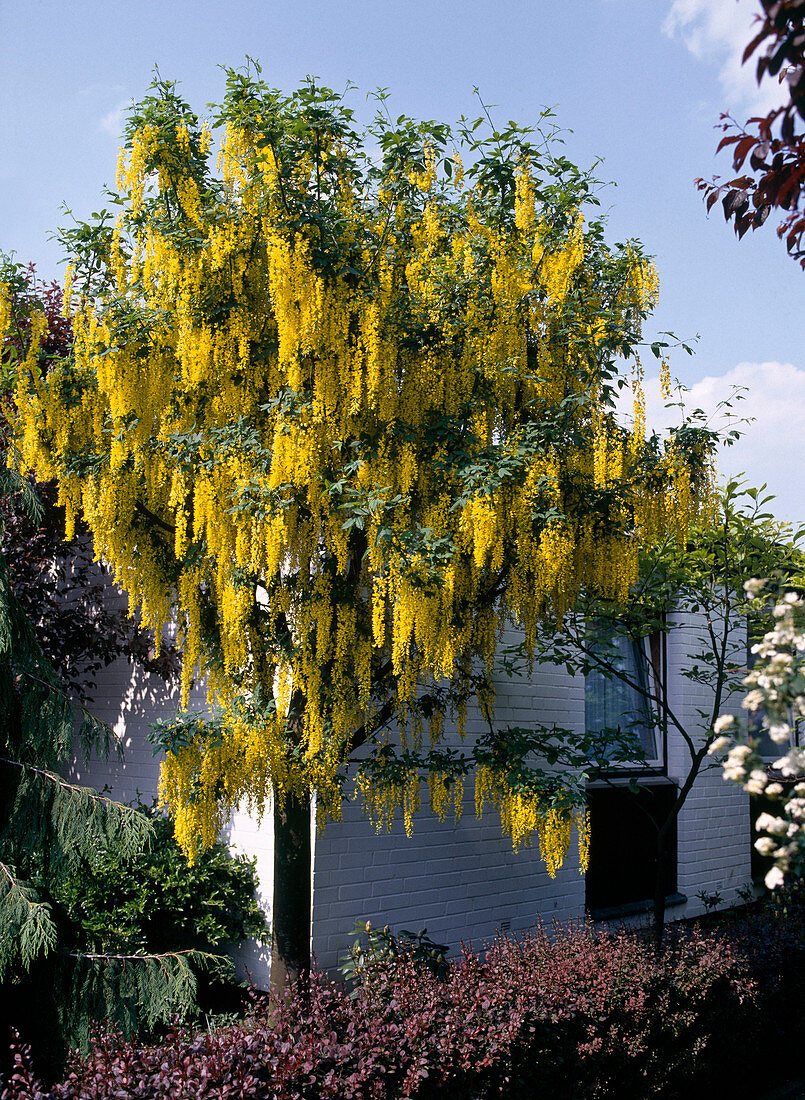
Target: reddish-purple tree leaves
x=774, y=149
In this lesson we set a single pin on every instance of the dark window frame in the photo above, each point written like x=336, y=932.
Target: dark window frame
x=620, y=879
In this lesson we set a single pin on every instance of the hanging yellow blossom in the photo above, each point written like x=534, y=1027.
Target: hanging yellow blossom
x=341, y=418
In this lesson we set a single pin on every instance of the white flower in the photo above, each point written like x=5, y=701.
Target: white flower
x=754, y=699
x=765, y=845
x=779, y=732
x=756, y=782
x=723, y=723
x=774, y=789
x=774, y=878
x=734, y=771
x=795, y=808
x=719, y=744
x=777, y=826
x=754, y=587
x=792, y=763
x=780, y=663
x=735, y=764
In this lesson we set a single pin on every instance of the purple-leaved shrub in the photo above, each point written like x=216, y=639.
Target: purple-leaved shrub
x=572, y=1015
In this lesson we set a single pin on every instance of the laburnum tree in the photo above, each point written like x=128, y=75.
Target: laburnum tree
x=774, y=145
x=341, y=409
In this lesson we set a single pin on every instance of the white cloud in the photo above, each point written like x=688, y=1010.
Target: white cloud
x=772, y=447
x=112, y=123
x=718, y=31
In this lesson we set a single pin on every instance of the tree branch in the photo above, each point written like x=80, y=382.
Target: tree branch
x=141, y=508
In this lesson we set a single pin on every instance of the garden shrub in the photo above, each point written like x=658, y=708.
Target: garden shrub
x=156, y=902
x=361, y=962
x=152, y=905
x=570, y=1016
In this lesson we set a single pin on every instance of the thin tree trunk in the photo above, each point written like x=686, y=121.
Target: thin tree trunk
x=663, y=834
x=659, y=902
x=290, y=916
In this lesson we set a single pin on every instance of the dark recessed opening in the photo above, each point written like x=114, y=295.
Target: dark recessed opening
x=623, y=845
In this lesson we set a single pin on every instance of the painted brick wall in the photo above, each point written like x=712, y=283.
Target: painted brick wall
x=128, y=700
x=461, y=881
x=714, y=840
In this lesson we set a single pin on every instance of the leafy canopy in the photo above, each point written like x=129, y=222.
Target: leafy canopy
x=342, y=408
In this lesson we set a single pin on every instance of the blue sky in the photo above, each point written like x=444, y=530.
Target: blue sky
x=640, y=83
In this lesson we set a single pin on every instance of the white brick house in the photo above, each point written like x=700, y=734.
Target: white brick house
x=461, y=881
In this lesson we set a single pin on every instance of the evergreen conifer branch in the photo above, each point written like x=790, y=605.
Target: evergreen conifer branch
x=28, y=929
x=79, y=818
x=128, y=991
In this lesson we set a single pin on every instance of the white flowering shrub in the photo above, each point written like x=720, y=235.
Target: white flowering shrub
x=776, y=697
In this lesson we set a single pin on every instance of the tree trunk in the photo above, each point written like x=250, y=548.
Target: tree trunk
x=659, y=879
x=659, y=904
x=290, y=915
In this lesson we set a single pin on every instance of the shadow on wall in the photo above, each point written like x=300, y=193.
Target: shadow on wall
x=253, y=963
x=129, y=700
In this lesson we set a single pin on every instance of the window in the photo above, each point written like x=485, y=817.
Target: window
x=619, y=709
x=624, y=821
x=623, y=849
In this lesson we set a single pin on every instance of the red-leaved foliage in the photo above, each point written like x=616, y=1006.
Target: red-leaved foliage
x=570, y=1016
x=774, y=149
x=48, y=298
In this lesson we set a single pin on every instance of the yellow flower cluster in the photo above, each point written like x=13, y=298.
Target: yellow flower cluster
x=524, y=816
x=233, y=404
x=5, y=310
x=202, y=782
